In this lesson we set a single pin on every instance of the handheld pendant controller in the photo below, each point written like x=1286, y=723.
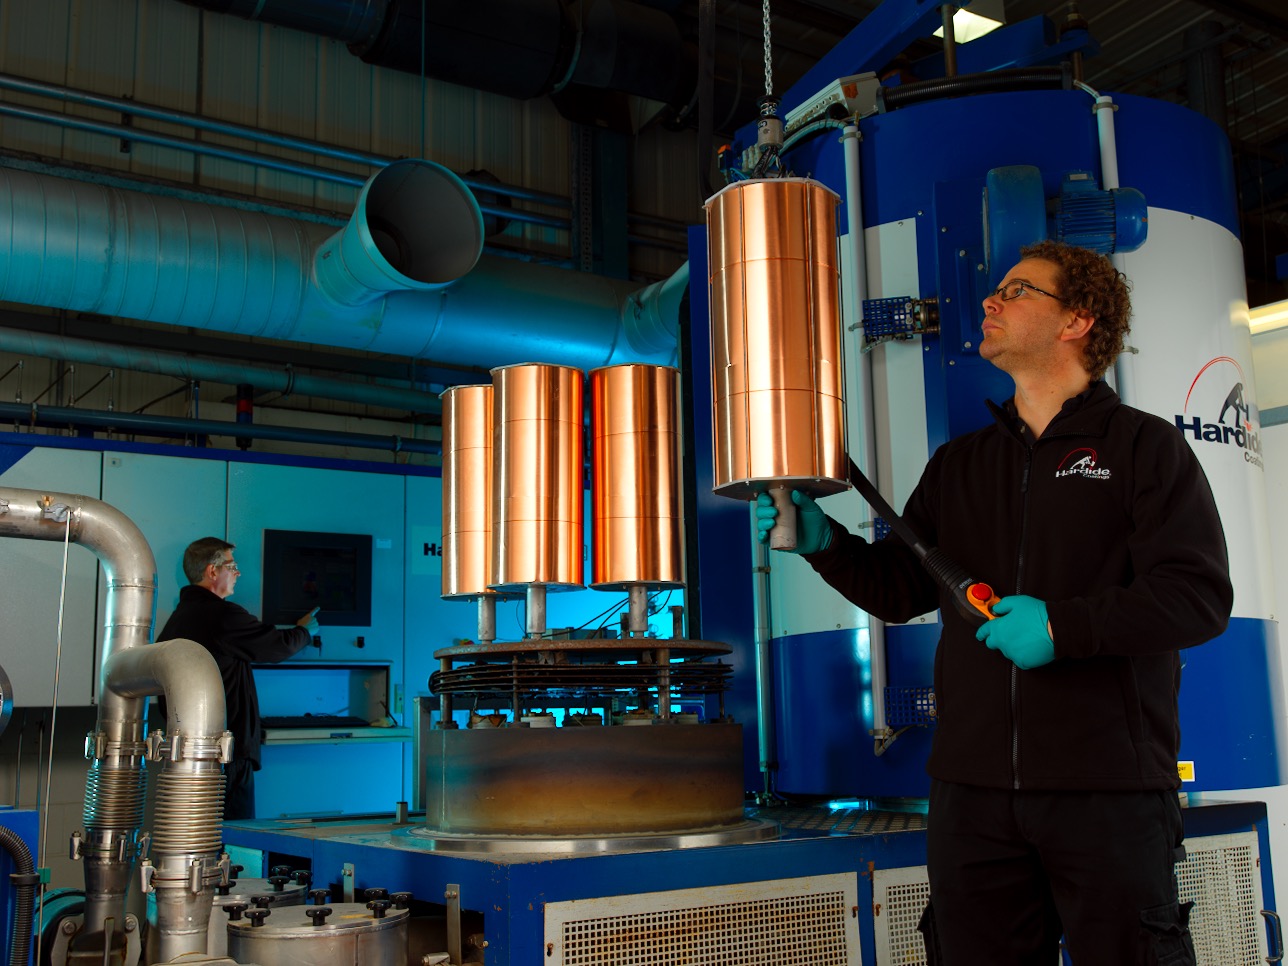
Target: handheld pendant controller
x=973, y=599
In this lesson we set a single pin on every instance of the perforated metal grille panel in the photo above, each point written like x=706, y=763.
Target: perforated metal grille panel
x=784, y=922
x=910, y=706
x=1221, y=875
x=899, y=897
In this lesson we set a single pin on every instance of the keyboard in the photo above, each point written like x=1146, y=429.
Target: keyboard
x=314, y=721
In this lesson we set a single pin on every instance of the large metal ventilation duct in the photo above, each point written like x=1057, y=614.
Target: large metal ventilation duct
x=517, y=48
x=387, y=282
x=184, y=864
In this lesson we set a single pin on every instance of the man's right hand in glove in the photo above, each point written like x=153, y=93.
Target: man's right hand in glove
x=813, y=528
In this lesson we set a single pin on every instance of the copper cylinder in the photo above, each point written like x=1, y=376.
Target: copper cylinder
x=467, y=491
x=537, y=497
x=637, y=513
x=776, y=357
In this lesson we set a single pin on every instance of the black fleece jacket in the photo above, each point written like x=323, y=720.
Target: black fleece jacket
x=1108, y=519
x=236, y=638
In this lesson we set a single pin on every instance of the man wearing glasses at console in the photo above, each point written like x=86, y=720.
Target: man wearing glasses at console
x=237, y=639
x=1053, y=805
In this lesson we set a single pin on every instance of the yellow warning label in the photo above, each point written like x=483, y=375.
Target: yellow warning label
x=1186, y=769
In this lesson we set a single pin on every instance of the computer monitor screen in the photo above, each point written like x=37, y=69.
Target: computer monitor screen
x=330, y=571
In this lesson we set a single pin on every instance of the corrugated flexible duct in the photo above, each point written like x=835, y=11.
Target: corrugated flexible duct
x=390, y=281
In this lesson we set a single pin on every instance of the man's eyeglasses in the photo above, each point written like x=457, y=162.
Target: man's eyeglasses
x=1016, y=288
x=230, y=566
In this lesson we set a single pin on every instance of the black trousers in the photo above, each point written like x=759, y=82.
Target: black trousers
x=1012, y=872
x=239, y=789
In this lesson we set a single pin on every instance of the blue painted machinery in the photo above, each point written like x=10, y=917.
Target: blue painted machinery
x=941, y=184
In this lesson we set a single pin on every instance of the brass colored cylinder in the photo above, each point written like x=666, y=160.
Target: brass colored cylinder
x=467, y=491
x=537, y=499
x=776, y=358
x=637, y=513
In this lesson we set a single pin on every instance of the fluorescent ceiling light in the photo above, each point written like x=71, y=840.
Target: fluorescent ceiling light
x=973, y=22
x=1266, y=317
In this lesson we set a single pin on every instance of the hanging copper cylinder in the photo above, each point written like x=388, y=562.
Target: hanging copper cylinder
x=467, y=491
x=776, y=356
x=537, y=498
x=637, y=513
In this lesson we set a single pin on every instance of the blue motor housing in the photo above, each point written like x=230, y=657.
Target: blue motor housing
x=1104, y=221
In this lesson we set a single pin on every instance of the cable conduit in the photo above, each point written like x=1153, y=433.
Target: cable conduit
x=287, y=381
x=988, y=82
x=63, y=417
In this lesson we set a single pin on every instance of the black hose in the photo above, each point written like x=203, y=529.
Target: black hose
x=25, y=881
x=988, y=82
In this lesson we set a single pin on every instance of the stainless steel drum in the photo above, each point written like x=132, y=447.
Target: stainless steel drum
x=283, y=890
x=253, y=892
x=337, y=934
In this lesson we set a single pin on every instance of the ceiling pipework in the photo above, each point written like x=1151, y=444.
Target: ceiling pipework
x=516, y=48
x=390, y=281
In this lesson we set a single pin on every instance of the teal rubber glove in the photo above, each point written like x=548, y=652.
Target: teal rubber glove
x=1019, y=631
x=813, y=528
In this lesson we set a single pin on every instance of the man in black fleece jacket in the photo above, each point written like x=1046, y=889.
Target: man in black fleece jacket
x=1053, y=805
x=236, y=638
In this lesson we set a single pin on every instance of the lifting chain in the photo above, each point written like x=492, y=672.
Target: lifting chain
x=769, y=61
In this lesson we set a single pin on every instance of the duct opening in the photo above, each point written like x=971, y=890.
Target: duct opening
x=416, y=226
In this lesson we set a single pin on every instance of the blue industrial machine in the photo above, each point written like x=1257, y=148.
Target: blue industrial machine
x=941, y=182
x=941, y=185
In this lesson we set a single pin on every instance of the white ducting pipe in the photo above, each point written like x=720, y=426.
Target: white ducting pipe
x=188, y=819
x=390, y=281
x=1125, y=366
x=867, y=452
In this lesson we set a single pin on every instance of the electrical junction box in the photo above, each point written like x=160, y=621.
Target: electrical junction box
x=854, y=95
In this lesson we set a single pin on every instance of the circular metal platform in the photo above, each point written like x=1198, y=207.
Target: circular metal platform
x=425, y=839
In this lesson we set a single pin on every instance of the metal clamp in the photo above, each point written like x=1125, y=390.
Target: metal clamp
x=98, y=746
x=181, y=747
x=95, y=745
x=146, y=871
x=58, y=512
x=154, y=741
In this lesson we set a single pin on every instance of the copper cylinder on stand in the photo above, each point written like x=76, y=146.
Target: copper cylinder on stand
x=637, y=512
x=537, y=515
x=467, y=501
x=776, y=356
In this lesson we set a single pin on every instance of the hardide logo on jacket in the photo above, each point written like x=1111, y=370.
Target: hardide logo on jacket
x=1218, y=388
x=1081, y=462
